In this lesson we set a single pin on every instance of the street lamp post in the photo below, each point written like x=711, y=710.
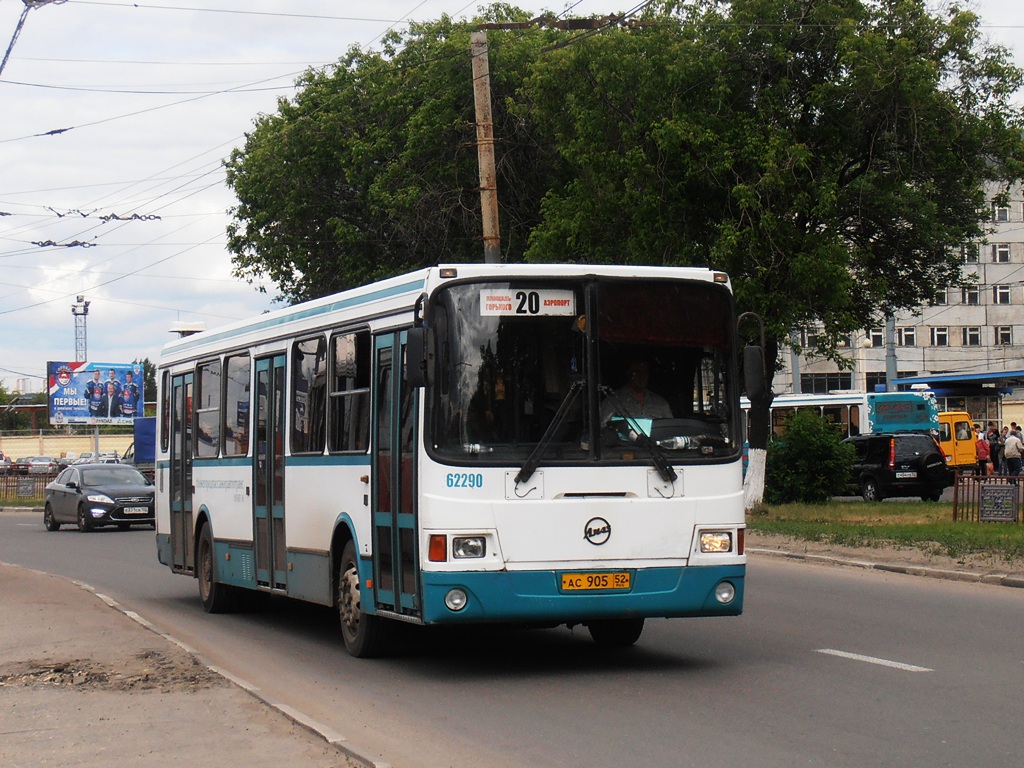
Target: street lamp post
x=80, y=309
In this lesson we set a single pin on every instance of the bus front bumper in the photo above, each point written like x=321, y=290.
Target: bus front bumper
x=538, y=596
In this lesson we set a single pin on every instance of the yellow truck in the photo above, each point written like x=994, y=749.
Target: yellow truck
x=957, y=439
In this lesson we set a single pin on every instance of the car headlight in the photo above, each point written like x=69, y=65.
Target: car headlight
x=715, y=541
x=100, y=498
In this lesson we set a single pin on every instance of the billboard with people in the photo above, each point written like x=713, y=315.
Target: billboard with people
x=94, y=393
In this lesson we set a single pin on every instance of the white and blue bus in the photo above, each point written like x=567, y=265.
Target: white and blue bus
x=460, y=445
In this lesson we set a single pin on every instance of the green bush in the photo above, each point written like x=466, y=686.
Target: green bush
x=809, y=463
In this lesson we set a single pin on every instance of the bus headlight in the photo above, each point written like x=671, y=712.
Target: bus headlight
x=468, y=546
x=725, y=592
x=456, y=599
x=715, y=541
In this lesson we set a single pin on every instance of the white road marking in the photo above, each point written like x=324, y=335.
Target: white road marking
x=874, y=660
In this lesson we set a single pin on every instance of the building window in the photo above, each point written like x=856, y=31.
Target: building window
x=1000, y=212
x=906, y=337
x=939, y=299
x=809, y=339
x=940, y=337
x=876, y=337
x=874, y=379
x=1001, y=253
x=823, y=383
x=1000, y=294
x=970, y=295
x=1004, y=335
x=972, y=336
x=969, y=253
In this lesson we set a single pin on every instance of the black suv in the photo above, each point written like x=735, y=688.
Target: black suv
x=908, y=464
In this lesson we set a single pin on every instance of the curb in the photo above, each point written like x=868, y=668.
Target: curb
x=998, y=579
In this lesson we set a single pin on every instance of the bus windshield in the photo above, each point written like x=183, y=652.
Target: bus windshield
x=589, y=370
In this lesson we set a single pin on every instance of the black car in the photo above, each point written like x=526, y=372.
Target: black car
x=96, y=495
x=908, y=464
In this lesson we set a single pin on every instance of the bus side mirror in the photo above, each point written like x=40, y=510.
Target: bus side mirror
x=753, y=372
x=420, y=354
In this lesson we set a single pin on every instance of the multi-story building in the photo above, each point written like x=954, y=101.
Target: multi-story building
x=973, y=330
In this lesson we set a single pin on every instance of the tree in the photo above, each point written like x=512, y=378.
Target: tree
x=810, y=463
x=372, y=169
x=148, y=379
x=830, y=155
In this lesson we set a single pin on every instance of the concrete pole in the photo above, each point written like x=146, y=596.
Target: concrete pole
x=890, y=354
x=485, y=147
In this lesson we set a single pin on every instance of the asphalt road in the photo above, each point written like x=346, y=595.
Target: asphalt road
x=827, y=667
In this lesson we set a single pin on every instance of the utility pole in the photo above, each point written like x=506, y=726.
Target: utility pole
x=891, y=372
x=485, y=147
x=80, y=309
x=485, y=124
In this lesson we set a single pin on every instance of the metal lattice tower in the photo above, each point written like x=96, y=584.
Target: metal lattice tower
x=80, y=309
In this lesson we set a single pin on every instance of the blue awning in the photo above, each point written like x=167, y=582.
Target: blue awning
x=1003, y=381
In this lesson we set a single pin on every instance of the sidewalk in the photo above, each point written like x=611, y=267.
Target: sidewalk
x=84, y=685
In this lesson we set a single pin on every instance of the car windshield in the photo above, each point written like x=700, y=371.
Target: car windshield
x=588, y=370
x=113, y=475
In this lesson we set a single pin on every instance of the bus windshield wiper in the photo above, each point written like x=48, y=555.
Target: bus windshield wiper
x=641, y=438
x=533, y=460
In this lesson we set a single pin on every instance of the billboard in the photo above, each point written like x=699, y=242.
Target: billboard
x=94, y=393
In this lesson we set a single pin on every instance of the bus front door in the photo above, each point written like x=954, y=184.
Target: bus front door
x=396, y=557
x=268, y=499
x=182, y=544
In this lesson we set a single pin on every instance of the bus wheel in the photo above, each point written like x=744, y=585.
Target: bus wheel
x=616, y=633
x=365, y=635
x=216, y=597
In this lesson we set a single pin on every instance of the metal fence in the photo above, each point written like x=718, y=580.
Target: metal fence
x=987, y=498
x=18, y=489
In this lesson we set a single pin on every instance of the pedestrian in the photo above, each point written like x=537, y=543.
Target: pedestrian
x=1002, y=457
x=1013, y=448
x=984, y=452
x=1016, y=430
x=995, y=449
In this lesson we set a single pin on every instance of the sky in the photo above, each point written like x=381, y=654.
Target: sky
x=115, y=118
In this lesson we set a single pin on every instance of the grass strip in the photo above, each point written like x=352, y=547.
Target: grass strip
x=921, y=525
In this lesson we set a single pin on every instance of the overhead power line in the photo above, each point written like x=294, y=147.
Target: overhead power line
x=29, y=5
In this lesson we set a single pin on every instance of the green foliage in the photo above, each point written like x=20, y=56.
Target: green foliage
x=372, y=170
x=149, y=379
x=809, y=463
x=830, y=156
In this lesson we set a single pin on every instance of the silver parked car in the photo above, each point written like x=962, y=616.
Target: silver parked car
x=42, y=465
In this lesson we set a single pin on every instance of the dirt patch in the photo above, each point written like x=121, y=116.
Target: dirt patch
x=144, y=672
